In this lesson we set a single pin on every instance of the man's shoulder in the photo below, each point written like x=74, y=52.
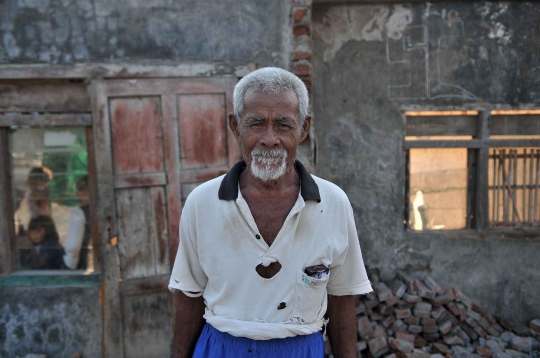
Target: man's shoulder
x=330, y=191
x=206, y=192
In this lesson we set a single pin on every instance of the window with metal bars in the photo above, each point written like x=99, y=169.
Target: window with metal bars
x=474, y=169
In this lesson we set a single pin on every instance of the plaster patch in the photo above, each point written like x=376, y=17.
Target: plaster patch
x=497, y=31
x=10, y=44
x=40, y=5
x=401, y=17
x=341, y=24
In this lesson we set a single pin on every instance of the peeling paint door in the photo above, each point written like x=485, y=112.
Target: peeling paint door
x=155, y=140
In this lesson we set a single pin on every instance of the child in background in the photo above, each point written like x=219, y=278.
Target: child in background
x=46, y=253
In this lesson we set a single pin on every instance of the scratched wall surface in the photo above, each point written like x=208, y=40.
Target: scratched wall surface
x=46, y=326
x=66, y=31
x=369, y=60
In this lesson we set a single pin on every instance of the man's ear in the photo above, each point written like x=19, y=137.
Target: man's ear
x=233, y=125
x=305, y=128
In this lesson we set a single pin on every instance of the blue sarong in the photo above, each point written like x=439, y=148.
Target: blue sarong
x=215, y=344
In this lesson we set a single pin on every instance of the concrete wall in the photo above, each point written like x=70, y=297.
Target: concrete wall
x=67, y=31
x=453, y=54
x=41, y=320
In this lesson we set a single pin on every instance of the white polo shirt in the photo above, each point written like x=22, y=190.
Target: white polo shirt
x=220, y=247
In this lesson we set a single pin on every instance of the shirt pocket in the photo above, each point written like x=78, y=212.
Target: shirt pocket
x=309, y=298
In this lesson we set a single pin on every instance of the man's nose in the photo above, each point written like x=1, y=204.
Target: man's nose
x=270, y=138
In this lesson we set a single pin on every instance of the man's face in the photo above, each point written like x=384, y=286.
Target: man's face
x=269, y=132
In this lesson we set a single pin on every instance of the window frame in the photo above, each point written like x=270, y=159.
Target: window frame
x=477, y=186
x=8, y=267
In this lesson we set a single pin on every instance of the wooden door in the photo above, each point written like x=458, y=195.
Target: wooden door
x=155, y=140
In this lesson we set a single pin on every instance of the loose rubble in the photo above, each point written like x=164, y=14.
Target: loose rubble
x=417, y=317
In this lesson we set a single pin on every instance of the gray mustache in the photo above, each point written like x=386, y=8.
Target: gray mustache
x=279, y=153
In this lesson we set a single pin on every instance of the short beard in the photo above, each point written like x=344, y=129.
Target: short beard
x=268, y=165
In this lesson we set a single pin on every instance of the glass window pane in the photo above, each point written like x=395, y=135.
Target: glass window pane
x=514, y=175
x=437, y=189
x=49, y=171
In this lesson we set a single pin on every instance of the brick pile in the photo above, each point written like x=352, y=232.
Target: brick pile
x=418, y=317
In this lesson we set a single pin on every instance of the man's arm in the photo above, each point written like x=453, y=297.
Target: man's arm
x=341, y=328
x=188, y=325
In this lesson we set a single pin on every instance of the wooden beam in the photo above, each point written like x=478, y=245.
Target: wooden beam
x=43, y=96
x=144, y=285
x=473, y=143
x=481, y=211
x=374, y=2
x=515, y=125
x=155, y=86
x=516, y=143
x=72, y=119
x=200, y=175
x=134, y=180
x=108, y=233
x=7, y=254
x=123, y=70
x=171, y=145
x=441, y=125
x=93, y=192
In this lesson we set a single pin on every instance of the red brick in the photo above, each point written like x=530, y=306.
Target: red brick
x=412, y=298
x=396, y=326
x=298, y=14
x=398, y=288
x=439, y=348
x=437, y=312
x=299, y=30
x=430, y=329
x=401, y=345
x=419, y=342
x=385, y=310
x=428, y=322
x=378, y=346
x=462, y=311
x=445, y=327
x=388, y=321
x=405, y=336
x=483, y=351
x=522, y=344
x=535, y=324
x=414, y=328
x=412, y=320
x=301, y=69
x=453, y=340
x=453, y=308
x=424, y=291
x=361, y=345
x=365, y=329
x=307, y=82
x=403, y=313
x=392, y=300
x=302, y=55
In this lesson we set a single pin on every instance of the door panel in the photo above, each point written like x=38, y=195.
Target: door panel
x=137, y=135
x=154, y=138
x=203, y=130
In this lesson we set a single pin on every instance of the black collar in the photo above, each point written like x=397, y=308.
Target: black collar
x=229, y=185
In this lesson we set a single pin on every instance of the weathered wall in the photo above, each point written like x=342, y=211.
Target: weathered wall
x=70, y=31
x=460, y=54
x=56, y=321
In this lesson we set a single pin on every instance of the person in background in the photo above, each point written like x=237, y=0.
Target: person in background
x=46, y=252
x=78, y=235
x=35, y=200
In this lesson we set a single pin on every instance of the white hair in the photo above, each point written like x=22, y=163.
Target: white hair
x=271, y=80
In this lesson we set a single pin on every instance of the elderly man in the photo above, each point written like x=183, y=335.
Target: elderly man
x=268, y=253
